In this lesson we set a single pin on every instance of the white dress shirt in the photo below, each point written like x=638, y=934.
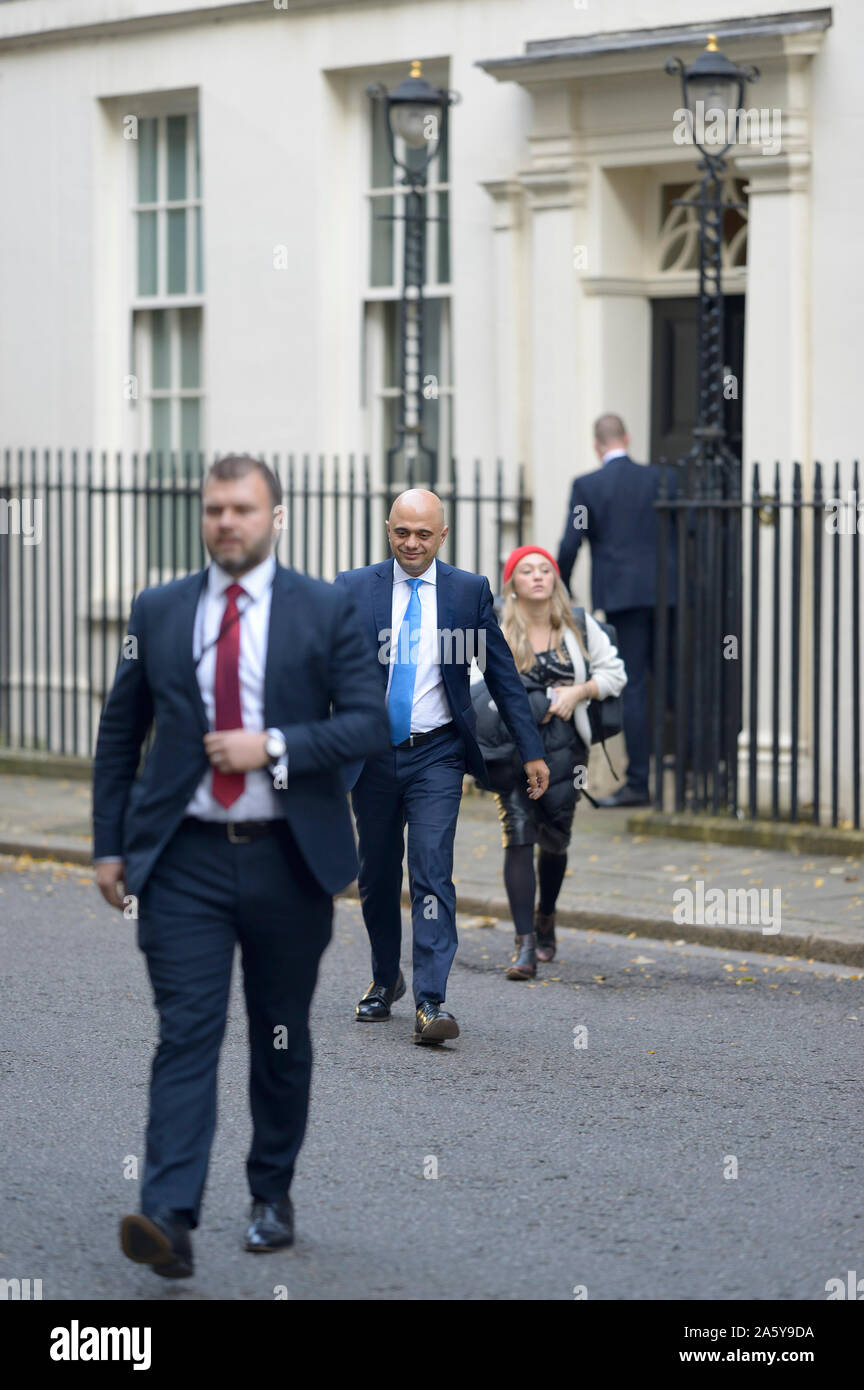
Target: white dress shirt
x=258, y=799
x=430, y=707
x=611, y=454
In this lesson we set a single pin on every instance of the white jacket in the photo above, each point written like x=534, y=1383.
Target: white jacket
x=607, y=669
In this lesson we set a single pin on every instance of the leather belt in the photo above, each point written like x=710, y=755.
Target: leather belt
x=238, y=832
x=414, y=740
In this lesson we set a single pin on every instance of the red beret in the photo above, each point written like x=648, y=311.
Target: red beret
x=520, y=553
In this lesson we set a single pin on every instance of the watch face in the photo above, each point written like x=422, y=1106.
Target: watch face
x=275, y=745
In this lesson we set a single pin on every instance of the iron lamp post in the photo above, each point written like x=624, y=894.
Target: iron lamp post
x=416, y=115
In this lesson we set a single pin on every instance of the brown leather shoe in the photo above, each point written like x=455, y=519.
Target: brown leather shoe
x=544, y=930
x=524, y=966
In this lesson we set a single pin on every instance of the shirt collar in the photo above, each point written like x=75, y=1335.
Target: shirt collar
x=429, y=576
x=255, y=582
x=613, y=454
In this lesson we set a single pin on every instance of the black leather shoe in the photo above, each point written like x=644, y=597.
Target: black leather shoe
x=432, y=1024
x=271, y=1226
x=161, y=1240
x=625, y=796
x=377, y=1000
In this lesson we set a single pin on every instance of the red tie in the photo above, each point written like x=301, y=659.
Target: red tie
x=227, y=786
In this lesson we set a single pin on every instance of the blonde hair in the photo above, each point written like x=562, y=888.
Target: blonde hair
x=515, y=628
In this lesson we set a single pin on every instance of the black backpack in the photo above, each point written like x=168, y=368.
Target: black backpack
x=606, y=717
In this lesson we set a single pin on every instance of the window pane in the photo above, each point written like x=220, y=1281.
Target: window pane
x=382, y=165
x=392, y=374
x=432, y=338
x=442, y=160
x=160, y=353
x=197, y=146
x=443, y=268
x=176, y=133
x=176, y=252
x=199, y=253
x=190, y=348
x=381, y=242
x=160, y=429
x=147, y=160
x=146, y=252
x=190, y=429
x=431, y=412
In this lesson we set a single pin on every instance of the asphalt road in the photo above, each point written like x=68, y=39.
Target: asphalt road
x=558, y=1166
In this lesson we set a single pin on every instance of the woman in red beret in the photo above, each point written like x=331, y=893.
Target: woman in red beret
x=552, y=659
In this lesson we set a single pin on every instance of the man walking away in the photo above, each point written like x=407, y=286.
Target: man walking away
x=613, y=507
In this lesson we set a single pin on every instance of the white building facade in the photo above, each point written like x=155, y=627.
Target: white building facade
x=190, y=256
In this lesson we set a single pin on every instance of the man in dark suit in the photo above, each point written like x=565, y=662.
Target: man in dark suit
x=236, y=830
x=422, y=622
x=614, y=508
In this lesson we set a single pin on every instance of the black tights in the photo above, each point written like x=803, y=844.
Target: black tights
x=521, y=883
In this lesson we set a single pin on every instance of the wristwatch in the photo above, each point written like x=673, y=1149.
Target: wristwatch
x=274, y=744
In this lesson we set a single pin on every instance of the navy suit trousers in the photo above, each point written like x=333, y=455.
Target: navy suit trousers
x=635, y=629
x=419, y=787
x=204, y=896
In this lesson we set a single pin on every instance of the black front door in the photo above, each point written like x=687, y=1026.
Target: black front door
x=674, y=375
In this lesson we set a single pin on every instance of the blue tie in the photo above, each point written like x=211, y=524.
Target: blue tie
x=401, y=697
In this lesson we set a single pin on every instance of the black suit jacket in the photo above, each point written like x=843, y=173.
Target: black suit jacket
x=620, y=522
x=315, y=655
x=465, y=612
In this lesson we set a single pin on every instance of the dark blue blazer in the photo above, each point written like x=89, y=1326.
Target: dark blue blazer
x=620, y=522
x=464, y=611
x=315, y=656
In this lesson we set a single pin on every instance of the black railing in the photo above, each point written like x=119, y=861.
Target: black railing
x=763, y=636
x=82, y=532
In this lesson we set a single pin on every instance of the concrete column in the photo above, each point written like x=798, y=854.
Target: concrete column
x=512, y=404
x=777, y=429
x=556, y=201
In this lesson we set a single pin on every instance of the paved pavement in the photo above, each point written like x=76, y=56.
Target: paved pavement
x=606, y=1166
x=616, y=881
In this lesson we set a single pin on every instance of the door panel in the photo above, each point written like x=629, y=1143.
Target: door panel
x=674, y=374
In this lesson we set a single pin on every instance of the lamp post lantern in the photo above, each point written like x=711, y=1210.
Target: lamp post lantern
x=712, y=89
x=416, y=117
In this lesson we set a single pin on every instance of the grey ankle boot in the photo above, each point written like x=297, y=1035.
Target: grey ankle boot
x=524, y=965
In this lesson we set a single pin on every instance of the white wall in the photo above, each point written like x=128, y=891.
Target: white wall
x=283, y=164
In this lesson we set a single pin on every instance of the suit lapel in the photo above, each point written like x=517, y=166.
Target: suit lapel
x=187, y=605
x=382, y=608
x=444, y=598
x=282, y=583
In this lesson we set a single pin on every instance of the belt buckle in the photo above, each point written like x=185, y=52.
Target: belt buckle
x=236, y=839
